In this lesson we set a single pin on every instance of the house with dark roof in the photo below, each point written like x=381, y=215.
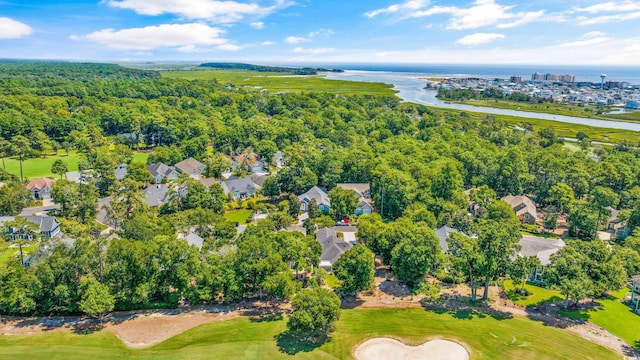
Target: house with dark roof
x=40, y=188
x=242, y=188
x=635, y=294
x=542, y=248
x=191, y=167
x=156, y=194
x=161, y=171
x=335, y=241
x=524, y=208
x=48, y=227
x=363, y=192
x=317, y=194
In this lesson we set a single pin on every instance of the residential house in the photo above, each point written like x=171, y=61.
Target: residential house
x=242, y=188
x=363, y=192
x=79, y=177
x=191, y=167
x=335, y=241
x=278, y=159
x=258, y=179
x=635, y=294
x=160, y=172
x=615, y=226
x=443, y=234
x=193, y=239
x=542, y=248
x=524, y=208
x=48, y=227
x=156, y=195
x=208, y=182
x=317, y=194
x=251, y=163
x=121, y=172
x=40, y=188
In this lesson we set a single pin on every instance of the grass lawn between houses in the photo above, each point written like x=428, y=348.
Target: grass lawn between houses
x=239, y=216
x=614, y=316
x=7, y=254
x=485, y=337
x=538, y=294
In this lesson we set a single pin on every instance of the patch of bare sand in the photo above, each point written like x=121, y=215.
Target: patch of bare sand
x=154, y=328
x=391, y=349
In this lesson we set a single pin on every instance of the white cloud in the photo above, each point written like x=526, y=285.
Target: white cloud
x=584, y=43
x=229, y=47
x=267, y=43
x=312, y=51
x=583, y=20
x=257, y=25
x=615, y=51
x=594, y=34
x=12, y=29
x=479, y=39
x=409, y=5
x=185, y=36
x=214, y=10
x=295, y=39
x=480, y=13
x=323, y=33
x=610, y=7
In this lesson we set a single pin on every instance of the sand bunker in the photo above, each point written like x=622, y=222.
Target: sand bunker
x=390, y=349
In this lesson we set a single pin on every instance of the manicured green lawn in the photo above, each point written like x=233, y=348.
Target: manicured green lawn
x=538, y=294
x=485, y=336
x=239, y=216
x=614, y=316
x=41, y=167
x=7, y=254
x=275, y=82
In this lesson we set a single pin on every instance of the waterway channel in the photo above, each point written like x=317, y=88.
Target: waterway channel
x=411, y=89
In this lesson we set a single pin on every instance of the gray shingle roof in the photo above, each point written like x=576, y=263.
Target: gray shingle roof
x=160, y=169
x=121, y=172
x=156, y=195
x=238, y=185
x=194, y=239
x=316, y=193
x=443, y=233
x=332, y=246
x=540, y=247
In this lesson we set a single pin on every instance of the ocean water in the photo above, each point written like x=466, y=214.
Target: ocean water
x=630, y=74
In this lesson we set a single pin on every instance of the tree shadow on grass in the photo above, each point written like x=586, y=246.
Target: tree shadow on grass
x=467, y=312
x=291, y=343
x=266, y=317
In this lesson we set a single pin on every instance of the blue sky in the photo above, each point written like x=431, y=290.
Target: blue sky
x=307, y=31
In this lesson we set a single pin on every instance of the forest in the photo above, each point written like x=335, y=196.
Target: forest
x=418, y=161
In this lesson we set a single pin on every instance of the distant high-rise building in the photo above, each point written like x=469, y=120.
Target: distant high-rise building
x=567, y=78
x=515, y=79
x=612, y=84
x=553, y=77
x=537, y=77
x=602, y=77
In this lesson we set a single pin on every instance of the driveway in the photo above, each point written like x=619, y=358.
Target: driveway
x=42, y=210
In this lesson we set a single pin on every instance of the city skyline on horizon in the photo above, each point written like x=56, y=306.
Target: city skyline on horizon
x=482, y=32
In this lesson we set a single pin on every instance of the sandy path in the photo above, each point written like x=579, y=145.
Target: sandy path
x=151, y=329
